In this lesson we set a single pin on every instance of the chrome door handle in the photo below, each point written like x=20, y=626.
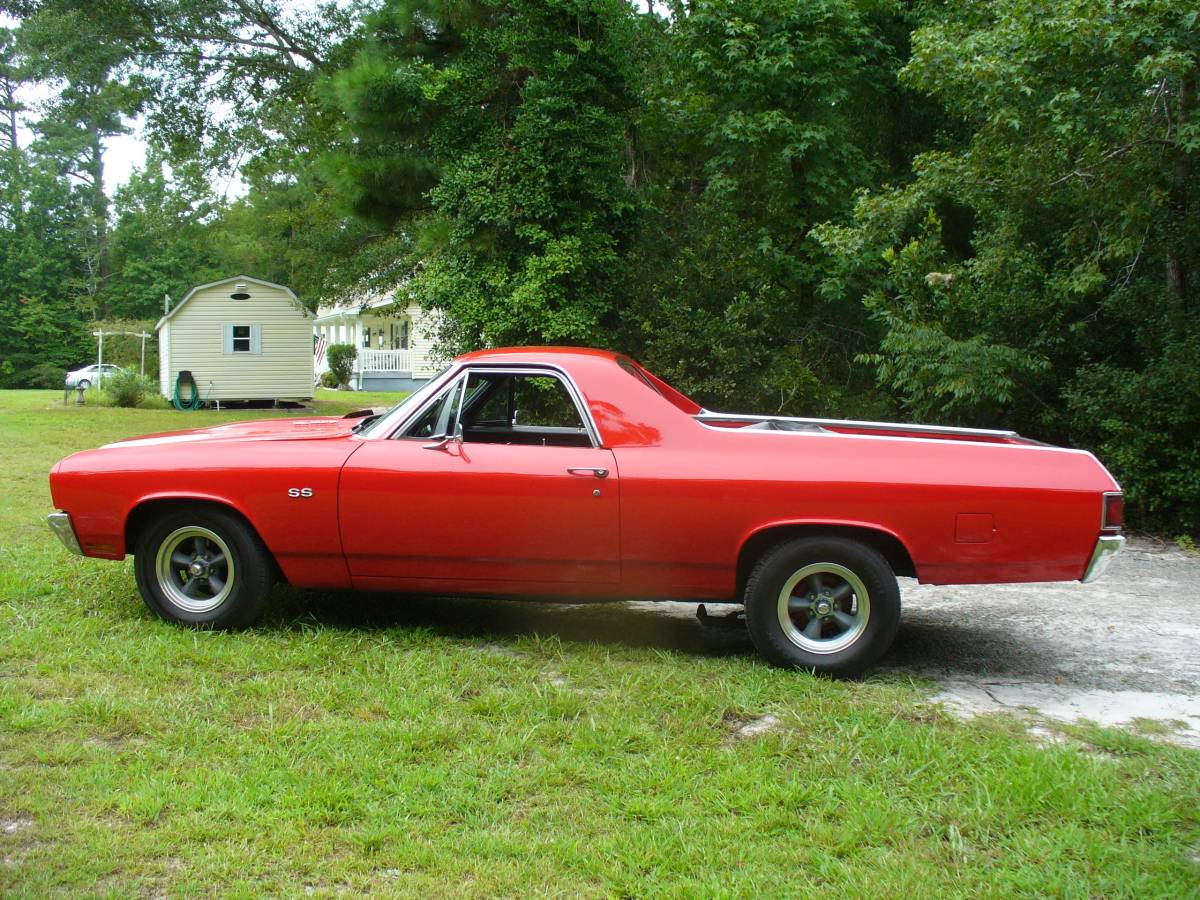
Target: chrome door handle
x=599, y=473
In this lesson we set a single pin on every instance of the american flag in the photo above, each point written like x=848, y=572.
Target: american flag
x=319, y=350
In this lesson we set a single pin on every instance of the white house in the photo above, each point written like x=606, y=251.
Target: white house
x=241, y=338
x=394, y=340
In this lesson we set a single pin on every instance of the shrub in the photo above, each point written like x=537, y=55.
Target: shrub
x=341, y=361
x=328, y=380
x=45, y=375
x=127, y=388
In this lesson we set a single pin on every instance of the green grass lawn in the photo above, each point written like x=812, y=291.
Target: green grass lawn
x=425, y=747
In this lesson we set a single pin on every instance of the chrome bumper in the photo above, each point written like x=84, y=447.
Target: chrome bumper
x=60, y=524
x=1107, y=548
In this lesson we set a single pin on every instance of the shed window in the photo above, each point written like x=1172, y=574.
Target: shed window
x=241, y=338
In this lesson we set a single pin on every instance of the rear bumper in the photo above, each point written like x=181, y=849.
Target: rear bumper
x=60, y=524
x=1107, y=547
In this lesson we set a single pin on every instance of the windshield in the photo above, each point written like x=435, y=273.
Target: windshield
x=381, y=425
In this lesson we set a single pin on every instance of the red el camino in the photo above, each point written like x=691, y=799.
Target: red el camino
x=567, y=472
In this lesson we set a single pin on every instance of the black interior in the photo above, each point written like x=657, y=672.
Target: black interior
x=539, y=435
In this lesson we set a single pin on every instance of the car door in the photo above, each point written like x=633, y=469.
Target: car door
x=478, y=489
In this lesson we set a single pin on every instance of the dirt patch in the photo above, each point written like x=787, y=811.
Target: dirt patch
x=743, y=728
x=1178, y=715
x=499, y=650
x=15, y=824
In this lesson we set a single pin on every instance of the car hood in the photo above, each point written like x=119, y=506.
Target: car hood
x=308, y=428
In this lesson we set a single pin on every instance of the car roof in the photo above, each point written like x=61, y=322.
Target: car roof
x=552, y=355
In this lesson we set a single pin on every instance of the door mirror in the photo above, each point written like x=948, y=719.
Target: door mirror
x=443, y=441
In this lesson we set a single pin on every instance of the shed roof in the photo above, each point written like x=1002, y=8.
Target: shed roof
x=233, y=278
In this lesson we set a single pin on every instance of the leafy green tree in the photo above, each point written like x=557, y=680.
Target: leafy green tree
x=94, y=94
x=1039, y=272
x=164, y=240
x=493, y=135
x=762, y=119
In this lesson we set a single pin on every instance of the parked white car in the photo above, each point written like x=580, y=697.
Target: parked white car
x=89, y=375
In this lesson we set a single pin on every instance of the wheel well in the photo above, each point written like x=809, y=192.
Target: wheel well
x=146, y=512
x=759, y=543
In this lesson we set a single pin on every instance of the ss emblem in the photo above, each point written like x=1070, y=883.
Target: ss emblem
x=299, y=492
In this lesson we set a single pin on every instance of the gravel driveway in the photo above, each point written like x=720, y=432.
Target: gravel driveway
x=1123, y=648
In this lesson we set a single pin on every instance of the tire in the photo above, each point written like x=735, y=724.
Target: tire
x=231, y=586
x=842, y=605
x=85, y=384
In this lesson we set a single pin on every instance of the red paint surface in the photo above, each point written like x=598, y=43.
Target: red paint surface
x=681, y=500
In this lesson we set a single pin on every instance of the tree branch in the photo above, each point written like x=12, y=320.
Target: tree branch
x=1090, y=171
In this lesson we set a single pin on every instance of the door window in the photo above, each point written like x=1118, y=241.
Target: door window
x=534, y=409
x=504, y=408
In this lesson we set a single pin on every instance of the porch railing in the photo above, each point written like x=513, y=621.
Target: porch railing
x=383, y=360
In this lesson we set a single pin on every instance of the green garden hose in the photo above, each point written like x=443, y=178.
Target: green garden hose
x=193, y=401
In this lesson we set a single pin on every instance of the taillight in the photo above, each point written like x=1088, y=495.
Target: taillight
x=1114, y=512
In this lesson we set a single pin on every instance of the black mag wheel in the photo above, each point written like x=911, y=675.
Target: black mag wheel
x=826, y=604
x=203, y=567
x=195, y=569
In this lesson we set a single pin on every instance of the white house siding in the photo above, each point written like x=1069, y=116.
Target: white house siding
x=421, y=340
x=284, y=368
x=166, y=384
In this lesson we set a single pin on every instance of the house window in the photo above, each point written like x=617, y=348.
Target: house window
x=404, y=335
x=241, y=338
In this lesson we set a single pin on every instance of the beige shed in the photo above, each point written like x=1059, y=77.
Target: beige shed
x=242, y=338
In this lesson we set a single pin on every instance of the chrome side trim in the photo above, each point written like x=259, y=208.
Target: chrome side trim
x=1107, y=548
x=705, y=416
x=60, y=524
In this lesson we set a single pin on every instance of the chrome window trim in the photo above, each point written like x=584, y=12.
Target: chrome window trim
x=705, y=416
x=585, y=414
x=387, y=432
x=1104, y=526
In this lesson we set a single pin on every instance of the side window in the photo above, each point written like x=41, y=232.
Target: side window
x=492, y=407
x=543, y=400
x=504, y=408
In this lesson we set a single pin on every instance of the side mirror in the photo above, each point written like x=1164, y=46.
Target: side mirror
x=443, y=441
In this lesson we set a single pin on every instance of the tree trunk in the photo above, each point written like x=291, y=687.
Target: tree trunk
x=99, y=203
x=12, y=189
x=1177, y=201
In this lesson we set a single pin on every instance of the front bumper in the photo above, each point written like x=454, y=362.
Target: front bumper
x=1107, y=547
x=60, y=524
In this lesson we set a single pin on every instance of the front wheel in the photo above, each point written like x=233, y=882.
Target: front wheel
x=825, y=604
x=85, y=384
x=203, y=567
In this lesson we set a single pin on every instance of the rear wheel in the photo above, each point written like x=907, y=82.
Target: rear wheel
x=825, y=604
x=203, y=567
